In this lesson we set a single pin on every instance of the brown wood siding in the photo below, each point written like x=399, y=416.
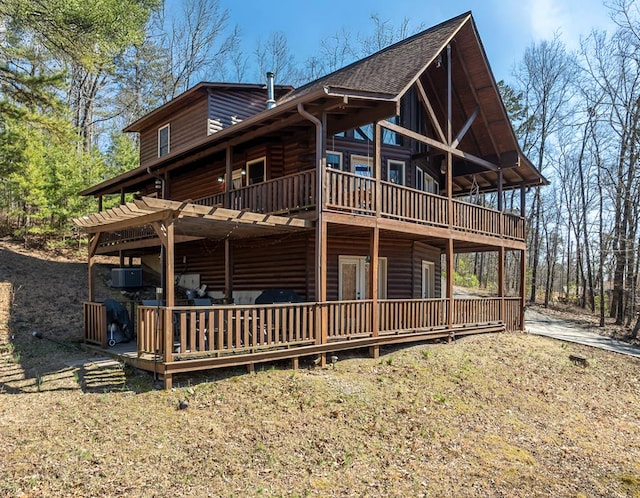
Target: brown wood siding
x=225, y=105
x=258, y=264
x=196, y=182
x=187, y=126
x=424, y=252
x=289, y=262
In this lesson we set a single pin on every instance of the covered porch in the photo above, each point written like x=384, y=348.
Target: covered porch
x=171, y=338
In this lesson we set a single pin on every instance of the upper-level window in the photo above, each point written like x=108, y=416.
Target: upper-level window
x=163, y=140
x=256, y=170
x=388, y=137
x=395, y=171
x=361, y=165
x=334, y=160
x=425, y=182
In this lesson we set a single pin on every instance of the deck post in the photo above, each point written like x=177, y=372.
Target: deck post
x=374, y=351
x=228, y=177
x=501, y=282
x=374, y=246
x=170, y=293
x=450, y=282
x=228, y=271
x=523, y=284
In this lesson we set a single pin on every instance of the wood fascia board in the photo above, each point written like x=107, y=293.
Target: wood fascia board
x=463, y=22
x=463, y=131
x=438, y=145
x=115, y=225
x=216, y=213
x=474, y=93
x=429, y=108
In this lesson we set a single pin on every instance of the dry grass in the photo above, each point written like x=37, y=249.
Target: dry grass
x=494, y=415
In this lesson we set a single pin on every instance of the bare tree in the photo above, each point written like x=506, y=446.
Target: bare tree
x=544, y=77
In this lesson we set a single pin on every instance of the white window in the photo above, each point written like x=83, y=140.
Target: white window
x=353, y=278
x=163, y=140
x=395, y=171
x=256, y=171
x=425, y=182
x=428, y=279
x=334, y=160
x=361, y=165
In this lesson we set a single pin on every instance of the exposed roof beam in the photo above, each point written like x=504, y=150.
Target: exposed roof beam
x=429, y=108
x=477, y=100
x=438, y=145
x=465, y=128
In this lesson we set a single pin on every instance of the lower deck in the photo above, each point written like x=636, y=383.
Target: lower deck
x=184, y=339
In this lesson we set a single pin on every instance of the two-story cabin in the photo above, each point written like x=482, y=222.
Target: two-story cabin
x=345, y=192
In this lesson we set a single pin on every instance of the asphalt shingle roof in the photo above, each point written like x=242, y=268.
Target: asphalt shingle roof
x=389, y=71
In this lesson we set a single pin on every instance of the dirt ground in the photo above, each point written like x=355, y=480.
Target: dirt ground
x=491, y=415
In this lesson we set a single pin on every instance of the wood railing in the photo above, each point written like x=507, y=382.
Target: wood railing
x=477, y=219
x=356, y=194
x=150, y=327
x=219, y=330
x=476, y=311
x=349, y=319
x=349, y=192
x=225, y=329
x=412, y=315
x=409, y=204
x=289, y=193
x=95, y=323
x=512, y=313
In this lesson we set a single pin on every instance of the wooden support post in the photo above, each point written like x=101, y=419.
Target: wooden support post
x=523, y=286
x=228, y=177
x=450, y=282
x=449, y=154
x=374, y=351
x=500, y=203
x=228, y=272
x=295, y=363
x=251, y=368
x=501, y=268
x=168, y=381
x=91, y=252
x=122, y=199
x=169, y=292
x=99, y=203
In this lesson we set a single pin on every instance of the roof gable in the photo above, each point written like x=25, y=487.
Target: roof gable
x=392, y=70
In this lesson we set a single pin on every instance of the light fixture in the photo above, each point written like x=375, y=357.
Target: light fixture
x=243, y=172
x=158, y=184
x=439, y=60
x=221, y=179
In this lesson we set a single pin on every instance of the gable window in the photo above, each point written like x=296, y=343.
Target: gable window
x=395, y=171
x=391, y=137
x=334, y=160
x=163, y=140
x=425, y=182
x=256, y=171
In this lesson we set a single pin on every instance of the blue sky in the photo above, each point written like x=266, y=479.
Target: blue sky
x=506, y=27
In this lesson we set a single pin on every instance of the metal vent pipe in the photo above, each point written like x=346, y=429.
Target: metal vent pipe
x=271, y=101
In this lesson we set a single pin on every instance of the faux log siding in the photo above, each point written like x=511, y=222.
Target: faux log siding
x=201, y=179
x=400, y=263
x=197, y=181
x=422, y=251
x=187, y=127
x=257, y=263
x=289, y=262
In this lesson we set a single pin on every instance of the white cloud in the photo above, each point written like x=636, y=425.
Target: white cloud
x=572, y=19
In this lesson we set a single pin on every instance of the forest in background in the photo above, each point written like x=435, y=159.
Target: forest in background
x=74, y=73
